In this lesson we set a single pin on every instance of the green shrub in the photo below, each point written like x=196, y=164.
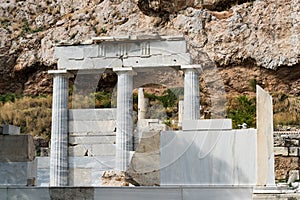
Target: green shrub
x=243, y=111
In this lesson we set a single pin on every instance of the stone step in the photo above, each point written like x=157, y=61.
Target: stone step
x=92, y=139
x=92, y=126
x=82, y=150
x=92, y=114
x=84, y=134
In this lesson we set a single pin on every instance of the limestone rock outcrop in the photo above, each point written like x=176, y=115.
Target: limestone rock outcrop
x=264, y=33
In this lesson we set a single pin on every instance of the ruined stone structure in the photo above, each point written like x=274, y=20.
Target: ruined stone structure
x=127, y=56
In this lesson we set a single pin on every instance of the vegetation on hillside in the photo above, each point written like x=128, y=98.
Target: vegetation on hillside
x=242, y=110
x=33, y=113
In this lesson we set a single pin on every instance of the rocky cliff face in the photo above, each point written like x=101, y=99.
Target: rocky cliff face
x=256, y=34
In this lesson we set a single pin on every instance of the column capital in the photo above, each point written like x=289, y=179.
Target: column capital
x=124, y=70
x=62, y=72
x=197, y=68
x=191, y=66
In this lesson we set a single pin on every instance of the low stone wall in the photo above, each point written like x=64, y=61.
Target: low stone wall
x=286, y=151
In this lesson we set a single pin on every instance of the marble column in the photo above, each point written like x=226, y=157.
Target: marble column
x=59, y=129
x=124, y=139
x=142, y=104
x=191, y=110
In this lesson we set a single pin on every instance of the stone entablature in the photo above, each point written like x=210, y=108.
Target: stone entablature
x=127, y=51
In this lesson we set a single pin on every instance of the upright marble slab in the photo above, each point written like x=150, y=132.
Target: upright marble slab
x=265, y=152
x=218, y=157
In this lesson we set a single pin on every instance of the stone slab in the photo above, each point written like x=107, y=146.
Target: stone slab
x=207, y=124
x=92, y=126
x=97, y=162
x=229, y=193
x=3, y=193
x=43, y=162
x=43, y=177
x=92, y=150
x=71, y=193
x=17, y=173
x=80, y=177
x=265, y=143
x=16, y=148
x=10, y=130
x=92, y=139
x=208, y=157
x=92, y=114
x=137, y=194
x=28, y=193
x=103, y=149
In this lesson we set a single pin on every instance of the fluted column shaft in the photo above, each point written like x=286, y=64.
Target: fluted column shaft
x=59, y=130
x=191, y=110
x=124, y=139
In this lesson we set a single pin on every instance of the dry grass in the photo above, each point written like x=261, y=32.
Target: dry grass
x=286, y=109
x=33, y=115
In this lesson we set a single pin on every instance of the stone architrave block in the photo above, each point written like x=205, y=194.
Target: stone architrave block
x=207, y=124
x=281, y=151
x=158, y=60
x=89, y=63
x=69, y=52
x=10, y=130
x=17, y=148
x=169, y=47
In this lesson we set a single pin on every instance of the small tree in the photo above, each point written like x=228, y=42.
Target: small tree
x=243, y=112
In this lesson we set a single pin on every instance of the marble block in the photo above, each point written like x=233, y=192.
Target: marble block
x=208, y=157
x=16, y=148
x=10, y=130
x=265, y=149
x=92, y=114
x=17, y=173
x=207, y=124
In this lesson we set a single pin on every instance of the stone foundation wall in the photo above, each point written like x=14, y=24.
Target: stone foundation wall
x=286, y=151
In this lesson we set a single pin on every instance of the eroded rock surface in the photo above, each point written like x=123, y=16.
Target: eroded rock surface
x=222, y=33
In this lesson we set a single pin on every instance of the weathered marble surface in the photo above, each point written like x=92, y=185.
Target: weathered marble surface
x=17, y=173
x=208, y=157
x=265, y=150
x=16, y=148
x=207, y=124
x=128, y=193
